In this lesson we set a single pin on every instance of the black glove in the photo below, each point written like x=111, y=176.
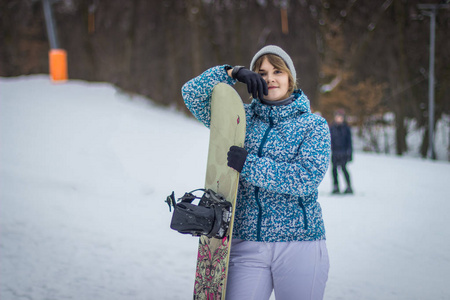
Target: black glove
x=236, y=158
x=256, y=85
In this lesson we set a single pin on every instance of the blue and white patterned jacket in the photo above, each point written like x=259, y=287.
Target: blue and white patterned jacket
x=289, y=153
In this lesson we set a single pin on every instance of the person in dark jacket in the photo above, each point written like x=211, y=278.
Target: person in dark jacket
x=341, y=150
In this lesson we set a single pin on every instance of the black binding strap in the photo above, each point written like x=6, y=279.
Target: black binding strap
x=211, y=217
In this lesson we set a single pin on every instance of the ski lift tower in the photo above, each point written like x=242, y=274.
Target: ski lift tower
x=430, y=10
x=57, y=56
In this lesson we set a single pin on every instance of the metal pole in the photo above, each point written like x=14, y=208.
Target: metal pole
x=431, y=11
x=49, y=21
x=431, y=153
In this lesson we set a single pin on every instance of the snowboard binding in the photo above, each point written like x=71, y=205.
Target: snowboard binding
x=211, y=217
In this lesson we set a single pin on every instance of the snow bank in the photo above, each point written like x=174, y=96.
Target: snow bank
x=84, y=171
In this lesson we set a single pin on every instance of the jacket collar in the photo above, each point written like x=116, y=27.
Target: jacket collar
x=278, y=113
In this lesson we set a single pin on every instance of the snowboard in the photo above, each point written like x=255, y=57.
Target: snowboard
x=227, y=129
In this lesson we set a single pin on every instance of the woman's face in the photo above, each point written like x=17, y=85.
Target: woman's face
x=277, y=81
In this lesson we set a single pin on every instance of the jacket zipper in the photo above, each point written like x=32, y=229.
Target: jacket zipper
x=305, y=220
x=258, y=225
x=261, y=146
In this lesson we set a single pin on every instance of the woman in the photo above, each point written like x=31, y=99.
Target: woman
x=279, y=236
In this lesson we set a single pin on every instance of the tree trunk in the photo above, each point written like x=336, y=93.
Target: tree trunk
x=401, y=79
x=194, y=17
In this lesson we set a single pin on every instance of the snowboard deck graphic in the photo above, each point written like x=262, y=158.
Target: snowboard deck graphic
x=227, y=129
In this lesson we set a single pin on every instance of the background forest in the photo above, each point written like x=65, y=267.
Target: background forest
x=369, y=58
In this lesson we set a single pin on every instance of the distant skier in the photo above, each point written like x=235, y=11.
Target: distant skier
x=341, y=150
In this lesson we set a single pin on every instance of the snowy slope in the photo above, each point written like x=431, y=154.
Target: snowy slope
x=84, y=171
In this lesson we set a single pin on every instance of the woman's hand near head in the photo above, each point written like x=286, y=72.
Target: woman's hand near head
x=256, y=85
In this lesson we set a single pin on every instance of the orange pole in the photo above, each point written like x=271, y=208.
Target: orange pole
x=58, y=65
x=284, y=21
x=91, y=23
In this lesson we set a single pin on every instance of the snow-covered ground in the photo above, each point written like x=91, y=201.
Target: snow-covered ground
x=84, y=172
x=383, y=137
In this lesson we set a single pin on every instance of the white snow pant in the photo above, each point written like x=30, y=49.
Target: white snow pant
x=295, y=270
